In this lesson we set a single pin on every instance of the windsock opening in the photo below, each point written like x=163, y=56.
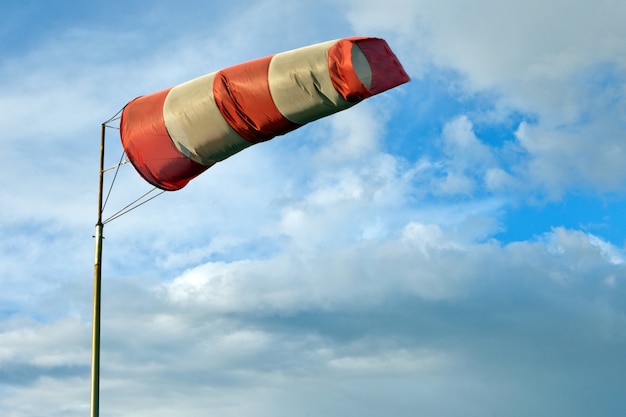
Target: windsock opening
x=361, y=67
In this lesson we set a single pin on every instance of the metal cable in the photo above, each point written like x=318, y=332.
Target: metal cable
x=131, y=206
x=113, y=181
x=115, y=117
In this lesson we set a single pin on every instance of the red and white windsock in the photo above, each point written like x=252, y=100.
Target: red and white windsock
x=173, y=135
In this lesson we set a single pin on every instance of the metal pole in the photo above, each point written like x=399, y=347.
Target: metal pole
x=97, y=279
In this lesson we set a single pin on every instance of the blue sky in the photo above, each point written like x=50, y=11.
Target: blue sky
x=455, y=246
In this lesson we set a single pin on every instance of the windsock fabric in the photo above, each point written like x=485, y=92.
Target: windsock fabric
x=173, y=135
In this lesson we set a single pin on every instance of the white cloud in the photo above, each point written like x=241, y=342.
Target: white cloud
x=587, y=157
x=58, y=344
x=426, y=261
x=550, y=61
x=59, y=397
x=462, y=146
x=496, y=179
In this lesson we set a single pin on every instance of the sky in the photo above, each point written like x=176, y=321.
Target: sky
x=454, y=246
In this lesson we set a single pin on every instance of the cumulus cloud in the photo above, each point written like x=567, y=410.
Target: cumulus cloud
x=420, y=308
x=549, y=61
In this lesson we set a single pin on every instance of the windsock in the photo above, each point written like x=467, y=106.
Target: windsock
x=173, y=135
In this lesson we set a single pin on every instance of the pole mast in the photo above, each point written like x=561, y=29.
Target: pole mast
x=97, y=280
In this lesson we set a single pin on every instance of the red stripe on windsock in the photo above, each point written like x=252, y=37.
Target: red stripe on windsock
x=387, y=72
x=149, y=147
x=243, y=96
